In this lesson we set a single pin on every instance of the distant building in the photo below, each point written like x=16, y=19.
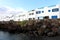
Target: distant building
x=53, y=12
x=21, y=17
x=31, y=15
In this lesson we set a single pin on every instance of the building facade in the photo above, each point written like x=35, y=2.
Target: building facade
x=53, y=12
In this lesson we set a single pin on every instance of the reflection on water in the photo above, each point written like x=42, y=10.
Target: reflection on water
x=8, y=36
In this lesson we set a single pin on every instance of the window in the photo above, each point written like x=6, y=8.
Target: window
x=33, y=18
x=31, y=14
x=55, y=10
x=54, y=17
x=38, y=12
x=42, y=11
x=49, y=10
x=46, y=17
x=38, y=18
x=30, y=18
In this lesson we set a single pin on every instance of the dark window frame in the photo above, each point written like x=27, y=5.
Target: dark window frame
x=31, y=14
x=54, y=17
x=38, y=12
x=49, y=10
x=38, y=18
x=42, y=11
x=55, y=10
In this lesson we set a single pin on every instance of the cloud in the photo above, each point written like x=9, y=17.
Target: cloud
x=8, y=11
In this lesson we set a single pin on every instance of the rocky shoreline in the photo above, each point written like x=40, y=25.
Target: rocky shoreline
x=45, y=27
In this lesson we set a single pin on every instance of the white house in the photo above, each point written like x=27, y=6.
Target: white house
x=21, y=16
x=53, y=12
x=31, y=14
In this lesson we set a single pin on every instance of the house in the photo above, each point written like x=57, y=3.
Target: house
x=53, y=12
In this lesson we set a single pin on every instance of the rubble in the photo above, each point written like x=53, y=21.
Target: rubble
x=45, y=27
